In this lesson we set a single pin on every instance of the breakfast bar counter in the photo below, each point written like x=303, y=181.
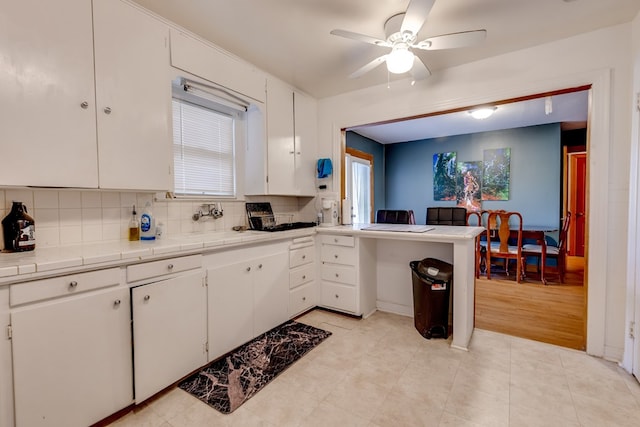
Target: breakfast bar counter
x=388, y=276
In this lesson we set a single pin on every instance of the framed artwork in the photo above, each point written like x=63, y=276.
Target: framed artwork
x=469, y=179
x=444, y=176
x=496, y=174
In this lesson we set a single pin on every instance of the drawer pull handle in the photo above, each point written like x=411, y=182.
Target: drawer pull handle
x=170, y=266
x=147, y=297
x=335, y=240
x=335, y=256
x=116, y=303
x=73, y=285
x=337, y=296
x=84, y=105
x=248, y=268
x=304, y=298
x=259, y=265
x=337, y=275
x=304, y=256
x=304, y=277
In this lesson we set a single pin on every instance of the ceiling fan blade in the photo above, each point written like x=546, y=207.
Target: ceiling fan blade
x=360, y=37
x=452, y=41
x=419, y=71
x=368, y=67
x=416, y=15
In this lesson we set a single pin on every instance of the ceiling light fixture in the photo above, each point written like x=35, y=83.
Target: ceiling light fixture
x=482, y=112
x=400, y=60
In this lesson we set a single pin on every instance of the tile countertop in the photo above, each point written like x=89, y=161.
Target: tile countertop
x=62, y=259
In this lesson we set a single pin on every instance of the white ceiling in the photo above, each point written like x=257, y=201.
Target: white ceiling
x=570, y=109
x=290, y=39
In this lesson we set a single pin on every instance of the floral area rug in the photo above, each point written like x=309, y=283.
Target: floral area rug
x=233, y=379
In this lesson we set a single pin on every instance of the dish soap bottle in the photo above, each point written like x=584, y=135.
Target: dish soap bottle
x=147, y=224
x=19, y=229
x=134, y=226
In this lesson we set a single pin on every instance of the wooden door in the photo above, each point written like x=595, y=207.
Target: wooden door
x=577, y=202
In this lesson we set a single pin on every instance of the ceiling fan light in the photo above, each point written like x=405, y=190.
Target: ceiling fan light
x=482, y=113
x=400, y=60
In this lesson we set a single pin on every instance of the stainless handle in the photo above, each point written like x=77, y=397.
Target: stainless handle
x=335, y=256
x=84, y=105
x=304, y=298
x=116, y=303
x=147, y=297
x=304, y=277
x=248, y=268
x=107, y=110
x=170, y=266
x=73, y=285
x=259, y=265
x=304, y=256
x=337, y=275
x=337, y=296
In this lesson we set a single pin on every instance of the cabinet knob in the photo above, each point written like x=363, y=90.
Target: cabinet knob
x=337, y=296
x=170, y=266
x=259, y=265
x=304, y=277
x=335, y=240
x=116, y=303
x=291, y=152
x=73, y=285
x=304, y=298
x=107, y=110
x=304, y=256
x=337, y=275
x=336, y=256
x=248, y=268
x=84, y=105
x=147, y=297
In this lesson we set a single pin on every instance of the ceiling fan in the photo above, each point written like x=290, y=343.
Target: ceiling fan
x=401, y=31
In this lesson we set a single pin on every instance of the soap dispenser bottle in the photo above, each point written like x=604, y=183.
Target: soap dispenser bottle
x=147, y=224
x=134, y=226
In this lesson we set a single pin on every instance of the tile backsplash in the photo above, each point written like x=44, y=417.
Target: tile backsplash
x=65, y=217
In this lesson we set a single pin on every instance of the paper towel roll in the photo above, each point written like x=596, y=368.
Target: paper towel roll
x=346, y=211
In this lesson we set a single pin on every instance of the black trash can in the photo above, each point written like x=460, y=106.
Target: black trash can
x=432, y=282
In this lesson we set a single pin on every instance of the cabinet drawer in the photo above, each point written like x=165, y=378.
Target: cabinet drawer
x=338, y=273
x=337, y=240
x=301, y=299
x=165, y=266
x=338, y=296
x=301, y=275
x=301, y=256
x=61, y=286
x=338, y=254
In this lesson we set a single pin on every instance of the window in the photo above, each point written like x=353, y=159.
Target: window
x=205, y=128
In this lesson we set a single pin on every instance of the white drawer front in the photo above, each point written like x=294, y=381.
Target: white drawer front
x=338, y=273
x=165, y=266
x=302, y=275
x=340, y=297
x=39, y=290
x=338, y=254
x=301, y=299
x=301, y=256
x=337, y=240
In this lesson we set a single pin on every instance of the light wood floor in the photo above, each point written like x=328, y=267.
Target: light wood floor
x=553, y=314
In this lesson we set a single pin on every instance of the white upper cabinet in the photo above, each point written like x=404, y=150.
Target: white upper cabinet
x=64, y=125
x=290, y=145
x=133, y=98
x=47, y=94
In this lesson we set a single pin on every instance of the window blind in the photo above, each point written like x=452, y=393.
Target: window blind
x=203, y=150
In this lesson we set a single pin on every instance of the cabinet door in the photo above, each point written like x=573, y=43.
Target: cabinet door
x=169, y=332
x=230, y=307
x=46, y=84
x=72, y=359
x=133, y=96
x=271, y=292
x=280, y=139
x=305, y=113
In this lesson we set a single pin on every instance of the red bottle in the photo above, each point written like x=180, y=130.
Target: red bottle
x=19, y=229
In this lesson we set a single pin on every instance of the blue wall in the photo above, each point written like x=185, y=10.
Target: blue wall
x=535, y=171
x=359, y=142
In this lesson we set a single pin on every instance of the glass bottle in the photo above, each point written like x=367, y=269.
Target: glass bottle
x=134, y=226
x=19, y=229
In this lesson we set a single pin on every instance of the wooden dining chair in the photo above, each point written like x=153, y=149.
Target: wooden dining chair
x=475, y=219
x=499, y=231
x=557, y=253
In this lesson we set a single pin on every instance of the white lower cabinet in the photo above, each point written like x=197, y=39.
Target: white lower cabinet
x=169, y=331
x=246, y=298
x=302, y=276
x=72, y=358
